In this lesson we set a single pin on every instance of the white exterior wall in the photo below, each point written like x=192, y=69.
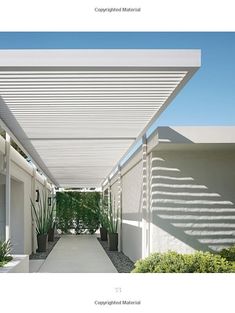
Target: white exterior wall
x=191, y=194
x=2, y=207
x=2, y=191
x=22, y=183
x=193, y=200
x=132, y=212
x=18, y=226
x=21, y=192
x=131, y=180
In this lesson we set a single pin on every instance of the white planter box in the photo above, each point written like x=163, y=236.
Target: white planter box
x=19, y=264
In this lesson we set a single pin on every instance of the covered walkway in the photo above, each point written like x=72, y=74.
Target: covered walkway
x=76, y=254
x=78, y=117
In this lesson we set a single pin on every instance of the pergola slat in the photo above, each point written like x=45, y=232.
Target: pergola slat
x=78, y=111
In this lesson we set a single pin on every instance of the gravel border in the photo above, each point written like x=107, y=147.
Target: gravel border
x=122, y=263
x=44, y=255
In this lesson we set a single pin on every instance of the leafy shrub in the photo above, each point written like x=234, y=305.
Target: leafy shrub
x=228, y=254
x=173, y=262
x=5, y=250
x=64, y=212
x=89, y=212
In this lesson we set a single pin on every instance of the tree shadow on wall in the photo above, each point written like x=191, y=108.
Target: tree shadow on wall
x=190, y=201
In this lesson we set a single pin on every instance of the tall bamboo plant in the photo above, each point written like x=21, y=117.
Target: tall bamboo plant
x=104, y=212
x=113, y=214
x=52, y=214
x=43, y=214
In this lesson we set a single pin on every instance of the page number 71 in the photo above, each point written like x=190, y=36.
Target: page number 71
x=118, y=289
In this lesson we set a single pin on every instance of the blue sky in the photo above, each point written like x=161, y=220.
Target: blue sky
x=208, y=98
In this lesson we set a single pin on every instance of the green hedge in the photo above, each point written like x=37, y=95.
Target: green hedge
x=78, y=211
x=228, y=254
x=172, y=262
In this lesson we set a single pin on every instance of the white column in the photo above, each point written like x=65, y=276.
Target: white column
x=33, y=198
x=145, y=242
x=150, y=212
x=53, y=199
x=45, y=187
x=102, y=192
x=53, y=193
x=119, y=207
x=8, y=188
x=109, y=193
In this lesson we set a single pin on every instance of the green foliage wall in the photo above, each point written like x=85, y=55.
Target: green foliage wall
x=78, y=211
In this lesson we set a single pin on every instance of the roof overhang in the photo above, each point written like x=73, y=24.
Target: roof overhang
x=192, y=138
x=77, y=112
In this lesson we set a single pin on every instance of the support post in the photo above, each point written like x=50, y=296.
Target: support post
x=119, y=207
x=102, y=192
x=145, y=242
x=53, y=195
x=150, y=212
x=109, y=193
x=33, y=197
x=8, y=187
x=45, y=187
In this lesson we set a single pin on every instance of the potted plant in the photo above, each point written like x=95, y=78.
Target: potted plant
x=5, y=250
x=103, y=217
x=42, y=214
x=12, y=263
x=112, y=227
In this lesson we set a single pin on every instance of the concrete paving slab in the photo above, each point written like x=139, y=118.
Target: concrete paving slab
x=78, y=254
x=34, y=265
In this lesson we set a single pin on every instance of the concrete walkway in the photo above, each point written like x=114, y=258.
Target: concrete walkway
x=77, y=254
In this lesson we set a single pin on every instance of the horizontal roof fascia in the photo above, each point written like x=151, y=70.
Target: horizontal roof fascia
x=196, y=134
x=99, y=58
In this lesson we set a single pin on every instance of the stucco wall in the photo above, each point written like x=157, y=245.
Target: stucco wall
x=193, y=196
x=21, y=176
x=17, y=218
x=131, y=212
x=2, y=191
x=131, y=180
x=2, y=207
x=21, y=191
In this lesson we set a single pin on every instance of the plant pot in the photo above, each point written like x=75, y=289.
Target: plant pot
x=113, y=241
x=51, y=234
x=103, y=234
x=42, y=243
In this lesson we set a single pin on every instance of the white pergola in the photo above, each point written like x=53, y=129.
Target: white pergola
x=77, y=112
